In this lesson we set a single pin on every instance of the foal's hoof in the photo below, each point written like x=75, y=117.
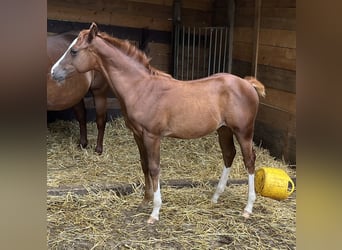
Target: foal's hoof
x=144, y=204
x=246, y=214
x=83, y=145
x=98, y=150
x=214, y=200
x=152, y=220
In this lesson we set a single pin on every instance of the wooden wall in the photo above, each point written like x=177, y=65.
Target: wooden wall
x=276, y=121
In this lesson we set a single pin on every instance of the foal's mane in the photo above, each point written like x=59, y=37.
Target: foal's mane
x=132, y=51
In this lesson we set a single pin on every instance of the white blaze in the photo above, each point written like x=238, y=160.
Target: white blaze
x=61, y=58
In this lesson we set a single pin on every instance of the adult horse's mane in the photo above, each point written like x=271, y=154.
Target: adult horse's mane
x=132, y=51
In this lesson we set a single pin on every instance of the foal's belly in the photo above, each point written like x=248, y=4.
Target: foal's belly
x=192, y=126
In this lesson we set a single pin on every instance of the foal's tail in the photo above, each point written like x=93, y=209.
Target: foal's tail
x=260, y=88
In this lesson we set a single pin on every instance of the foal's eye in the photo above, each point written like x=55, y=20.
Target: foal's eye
x=73, y=52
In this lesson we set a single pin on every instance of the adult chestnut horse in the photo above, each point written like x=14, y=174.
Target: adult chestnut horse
x=71, y=92
x=155, y=105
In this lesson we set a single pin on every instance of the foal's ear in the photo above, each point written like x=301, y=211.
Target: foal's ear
x=93, y=30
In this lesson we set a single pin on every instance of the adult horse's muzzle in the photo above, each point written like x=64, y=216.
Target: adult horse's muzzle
x=59, y=73
x=57, y=77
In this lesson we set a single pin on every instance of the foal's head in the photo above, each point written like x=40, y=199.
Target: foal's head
x=79, y=56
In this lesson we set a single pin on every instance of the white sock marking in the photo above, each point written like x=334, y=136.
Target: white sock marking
x=251, y=194
x=222, y=184
x=61, y=58
x=157, y=202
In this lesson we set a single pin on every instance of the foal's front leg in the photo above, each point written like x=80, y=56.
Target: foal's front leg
x=152, y=148
x=148, y=196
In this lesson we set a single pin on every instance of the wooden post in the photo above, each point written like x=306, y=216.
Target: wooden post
x=257, y=17
x=231, y=16
x=176, y=20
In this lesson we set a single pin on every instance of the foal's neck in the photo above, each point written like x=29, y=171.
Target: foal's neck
x=126, y=75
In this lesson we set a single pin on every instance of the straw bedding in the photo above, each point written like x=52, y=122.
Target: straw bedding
x=103, y=218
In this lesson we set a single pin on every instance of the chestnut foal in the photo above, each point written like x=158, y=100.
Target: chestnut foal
x=155, y=105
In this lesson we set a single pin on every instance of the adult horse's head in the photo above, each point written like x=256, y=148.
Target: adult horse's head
x=79, y=56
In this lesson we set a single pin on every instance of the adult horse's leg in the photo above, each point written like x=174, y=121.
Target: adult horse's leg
x=246, y=144
x=148, y=196
x=226, y=142
x=152, y=147
x=100, y=100
x=80, y=113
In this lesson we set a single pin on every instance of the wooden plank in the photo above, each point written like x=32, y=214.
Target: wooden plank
x=277, y=136
x=275, y=117
x=287, y=13
x=270, y=138
x=271, y=77
x=244, y=17
x=123, y=16
x=191, y=17
x=278, y=38
x=278, y=4
x=243, y=34
x=205, y=5
x=242, y=51
x=267, y=3
x=159, y=2
x=245, y=3
x=280, y=144
x=283, y=58
x=122, y=7
x=271, y=37
x=241, y=68
x=277, y=78
x=280, y=99
x=279, y=18
x=278, y=23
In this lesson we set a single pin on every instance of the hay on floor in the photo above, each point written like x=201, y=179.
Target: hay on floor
x=103, y=219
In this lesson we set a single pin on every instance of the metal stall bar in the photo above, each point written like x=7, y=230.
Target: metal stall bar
x=183, y=31
x=211, y=56
x=220, y=52
x=188, y=54
x=214, y=59
x=193, y=53
x=225, y=49
x=205, y=49
x=210, y=44
x=199, y=52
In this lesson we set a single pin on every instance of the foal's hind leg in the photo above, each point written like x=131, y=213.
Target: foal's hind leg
x=246, y=144
x=226, y=141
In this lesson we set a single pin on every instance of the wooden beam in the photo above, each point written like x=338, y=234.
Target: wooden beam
x=125, y=189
